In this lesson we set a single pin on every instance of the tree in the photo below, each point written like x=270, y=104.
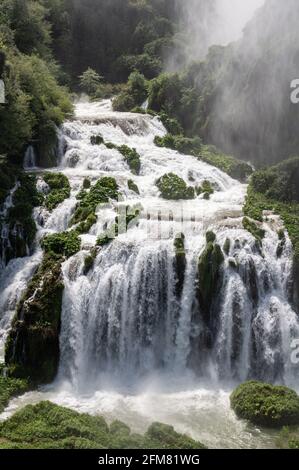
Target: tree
x=90, y=81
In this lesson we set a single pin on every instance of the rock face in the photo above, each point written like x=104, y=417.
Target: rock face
x=32, y=348
x=209, y=274
x=180, y=262
x=265, y=404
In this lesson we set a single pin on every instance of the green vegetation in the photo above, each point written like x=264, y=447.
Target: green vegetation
x=265, y=404
x=254, y=229
x=232, y=166
x=133, y=95
x=9, y=388
x=276, y=189
x=174, y=187
x=90, y=81
x=132, y=158
x=63, y=244
x=206, y=189
x=21, y=225
x=180, y=143
x=209, y=274
x=8, y=175
x=32, y=347
x=96, y=140
x=35, y=102
x=133, y=186
x=49, y=426
x=180, y=262
x=60, y=189
x=101, y=192
x=86, y=183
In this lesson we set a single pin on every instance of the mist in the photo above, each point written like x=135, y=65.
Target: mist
x=209, y=22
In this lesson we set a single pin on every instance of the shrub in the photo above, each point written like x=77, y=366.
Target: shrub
x=174, y=187
x=265, y=404
x=64, y=244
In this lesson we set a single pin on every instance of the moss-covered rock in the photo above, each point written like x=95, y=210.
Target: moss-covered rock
x=101, y=192
x=180, y=262
x=209, y=275
x=265, y=404
x=49, y=426
x=10, y=388
x=32, y=347
x=19, y=219
x=86, y=183
x=60, y=189
x=254, y=229
x=133, y=186
x=206, y=189
x=96, y=140
x=174, y=187
x=132, y=158
x=62, y=244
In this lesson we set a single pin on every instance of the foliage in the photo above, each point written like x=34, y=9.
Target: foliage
x=49, y=426
x=60, y=189
x=63, y=244
x=265, y=404
x=232, y=166
x=9, y=388
x=261, y=194
x=132, y=158
x=254, y=229
x=174, y=187
x=180, y=143
x=101, y=192
x=90, y=81
x=133, y=95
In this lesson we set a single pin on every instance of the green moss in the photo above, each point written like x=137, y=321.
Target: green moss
x=48, y=426
x=132, y=158
x=60, y=189
x=96, y=140
x=8, y=177
x=253, y=228
x=63, y=244
x=32, y=347
x=172, y=125
x=226, y=163
x=226, y=246
x=209, y=274
x=180, y=143
x=210, y=237
x=265, y=404
x=133, y=186
x=86, y=183
x=89, y=261
x=180, y=262
x=263, y=187
x=22, y=227
x=174, y=187
x=101, y=192
x=10, y=388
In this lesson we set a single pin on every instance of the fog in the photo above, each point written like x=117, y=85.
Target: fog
x=208, y=22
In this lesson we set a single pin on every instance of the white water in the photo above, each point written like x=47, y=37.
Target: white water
x=130, y=348
x=29, y=158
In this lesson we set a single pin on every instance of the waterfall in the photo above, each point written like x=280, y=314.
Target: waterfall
x=124, y=319
x=29, y=158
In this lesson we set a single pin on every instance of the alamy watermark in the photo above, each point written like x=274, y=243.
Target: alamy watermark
x=295, y=93
x=2, y=92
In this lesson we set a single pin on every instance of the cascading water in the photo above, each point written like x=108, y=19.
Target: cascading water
x=29, y=158
x=126, y=328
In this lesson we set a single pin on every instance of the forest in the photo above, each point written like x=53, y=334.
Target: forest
x=123, y=118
